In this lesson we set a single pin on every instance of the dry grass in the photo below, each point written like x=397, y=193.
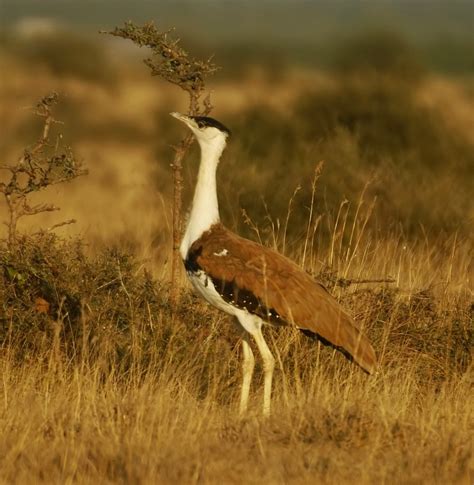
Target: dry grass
x=120, y=391
x=70, y=423
x=110, y=386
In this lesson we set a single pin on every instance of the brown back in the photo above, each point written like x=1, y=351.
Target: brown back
x=275, y=288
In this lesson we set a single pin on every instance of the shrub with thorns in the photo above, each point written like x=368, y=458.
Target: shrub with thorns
x=39, y=167
x=170, y=61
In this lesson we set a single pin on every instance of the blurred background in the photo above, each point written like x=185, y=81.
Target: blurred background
x=382, y=91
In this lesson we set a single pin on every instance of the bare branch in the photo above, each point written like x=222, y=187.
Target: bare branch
x=28, y=210
x=345, y=282
x=61, y=224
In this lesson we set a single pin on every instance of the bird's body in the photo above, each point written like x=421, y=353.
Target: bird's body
x=254, y=283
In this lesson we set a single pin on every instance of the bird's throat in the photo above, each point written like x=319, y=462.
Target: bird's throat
x=205, y=207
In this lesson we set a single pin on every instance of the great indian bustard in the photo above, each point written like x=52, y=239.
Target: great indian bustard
x=254, y=283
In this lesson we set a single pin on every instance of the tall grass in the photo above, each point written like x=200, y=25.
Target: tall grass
x=72, y=424
x=111, y=386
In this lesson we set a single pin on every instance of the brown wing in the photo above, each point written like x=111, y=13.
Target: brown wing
x=273, y=287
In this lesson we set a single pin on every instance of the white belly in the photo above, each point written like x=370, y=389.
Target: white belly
x=203, y=284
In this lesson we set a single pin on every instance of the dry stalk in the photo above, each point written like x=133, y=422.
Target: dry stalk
x=173, y=64
x=317, y=174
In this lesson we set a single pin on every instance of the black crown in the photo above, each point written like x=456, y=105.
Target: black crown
x=203, y=121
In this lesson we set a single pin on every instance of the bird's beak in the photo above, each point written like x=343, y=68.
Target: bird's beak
x=185, y=119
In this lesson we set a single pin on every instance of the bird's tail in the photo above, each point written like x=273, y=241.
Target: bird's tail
x=351, y=342
x=362, y=352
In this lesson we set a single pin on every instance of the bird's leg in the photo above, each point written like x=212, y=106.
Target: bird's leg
x=248, y=364
x=268, y=366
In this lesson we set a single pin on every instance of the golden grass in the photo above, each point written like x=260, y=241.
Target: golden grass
x=122, y=391
x=156, y=402
x=69, y=423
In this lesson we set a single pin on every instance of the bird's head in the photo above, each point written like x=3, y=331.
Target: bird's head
x=206, y=130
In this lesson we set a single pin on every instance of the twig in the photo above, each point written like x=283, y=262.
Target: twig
x=61, y=224
x=345, y=282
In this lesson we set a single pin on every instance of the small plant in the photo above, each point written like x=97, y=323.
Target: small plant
x=173, y=64
x=42, y=165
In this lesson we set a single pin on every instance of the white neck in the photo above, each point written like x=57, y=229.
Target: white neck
x=205, y=209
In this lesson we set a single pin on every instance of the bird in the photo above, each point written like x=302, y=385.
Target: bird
x=254, y=283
